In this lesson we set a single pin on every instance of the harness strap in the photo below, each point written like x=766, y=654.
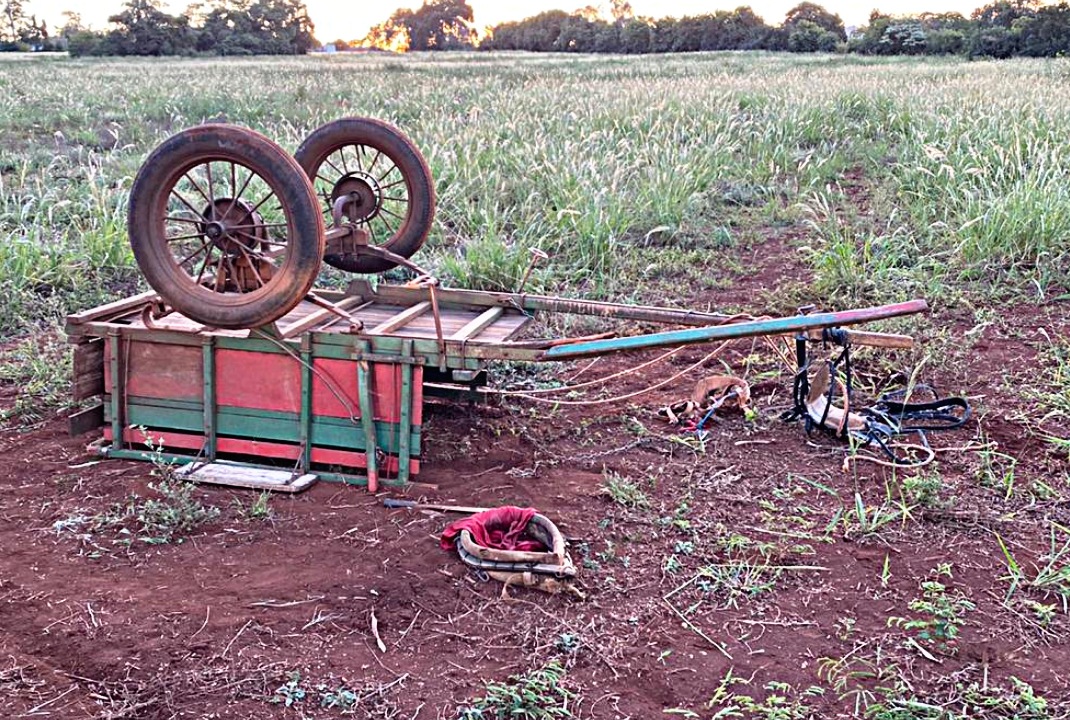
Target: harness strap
x=943, y=414
x=887, y=419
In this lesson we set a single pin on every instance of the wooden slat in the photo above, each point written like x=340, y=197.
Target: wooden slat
x=83, y=421
x=402, y=319
x=452, y=319
x=107, y=311
x=88, y=357
x=873, y=339
x=88, y=374
x=505, y=328
x=88, y=385
x=245, y=477
x=477, y=326
x=478, y=298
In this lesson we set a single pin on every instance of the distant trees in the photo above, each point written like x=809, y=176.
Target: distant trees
x=20, y=31
x=551, y=31
x=808, y=15
x=1000, y=29
x=808, y=27
x=218, y=27
x=584, y=31
x=1045, y=33
x=244, y=27
x=436, y=25
x=142, y=28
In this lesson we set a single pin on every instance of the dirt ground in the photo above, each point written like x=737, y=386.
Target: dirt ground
x=213, y=626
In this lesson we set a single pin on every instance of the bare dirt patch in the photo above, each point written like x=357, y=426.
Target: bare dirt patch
x=743, y=554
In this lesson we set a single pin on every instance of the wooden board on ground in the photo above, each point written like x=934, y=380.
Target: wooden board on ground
x=83, y=421
x=224, y=473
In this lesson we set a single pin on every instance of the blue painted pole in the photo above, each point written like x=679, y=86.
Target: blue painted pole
x=774, y=326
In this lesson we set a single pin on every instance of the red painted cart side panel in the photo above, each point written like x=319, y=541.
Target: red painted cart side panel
x=262, y=381
x=281, y=451
x=334, y=378
x=334, y=391
x=176, y=372
x=159, y=371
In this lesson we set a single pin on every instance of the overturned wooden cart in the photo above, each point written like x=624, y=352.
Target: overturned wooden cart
x=324, y=394
x=234, y=356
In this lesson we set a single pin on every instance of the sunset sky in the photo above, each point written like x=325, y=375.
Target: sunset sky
x=350, y=19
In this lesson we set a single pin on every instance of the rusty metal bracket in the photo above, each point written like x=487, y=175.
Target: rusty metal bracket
x=356, y=325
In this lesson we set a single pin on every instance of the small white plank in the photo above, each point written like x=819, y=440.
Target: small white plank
x=222, y=473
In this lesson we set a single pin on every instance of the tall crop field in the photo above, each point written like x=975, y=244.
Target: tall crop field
x=892, y=177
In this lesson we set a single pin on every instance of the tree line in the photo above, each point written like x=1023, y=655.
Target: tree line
x=1001, y=29
x=142, y=27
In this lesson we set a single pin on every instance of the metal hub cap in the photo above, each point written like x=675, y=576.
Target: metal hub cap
x=365, y=195
x=233, y=225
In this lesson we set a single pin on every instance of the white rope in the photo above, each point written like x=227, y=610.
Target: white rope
x=717, y=351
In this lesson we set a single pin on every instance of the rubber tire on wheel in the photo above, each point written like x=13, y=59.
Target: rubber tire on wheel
x=148, y=235
x=421, y=190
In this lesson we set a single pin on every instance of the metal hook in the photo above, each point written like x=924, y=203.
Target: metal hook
x=536, y=256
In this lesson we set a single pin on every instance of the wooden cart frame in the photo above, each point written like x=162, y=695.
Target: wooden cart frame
x=336, y=387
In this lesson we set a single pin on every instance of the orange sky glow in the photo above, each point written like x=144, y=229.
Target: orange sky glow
x=349, y=19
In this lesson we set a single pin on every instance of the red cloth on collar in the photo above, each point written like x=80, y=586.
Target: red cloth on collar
x=502, y=528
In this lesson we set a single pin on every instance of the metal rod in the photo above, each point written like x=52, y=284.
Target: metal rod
x=438, y=327
x=352, y=479
x=775, y=326
x=399, y=504
x=873, y=339
x=151, y=456
x=480, y=298
x=339, y=310
x=175, y=459
x=330, y=307
x=536, y=255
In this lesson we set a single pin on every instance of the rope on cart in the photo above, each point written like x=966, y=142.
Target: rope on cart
x=328, y=381
x=534, y=398
x=597, y=381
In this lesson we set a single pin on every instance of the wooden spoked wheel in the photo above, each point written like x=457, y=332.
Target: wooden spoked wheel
x=225, y=227
x=384, y=181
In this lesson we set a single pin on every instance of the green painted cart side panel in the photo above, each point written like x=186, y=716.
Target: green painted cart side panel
x=257, y=345
x=371, y=440
x=114, y=404
x=330, y=344
x=332, y=352
x=338, y=433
